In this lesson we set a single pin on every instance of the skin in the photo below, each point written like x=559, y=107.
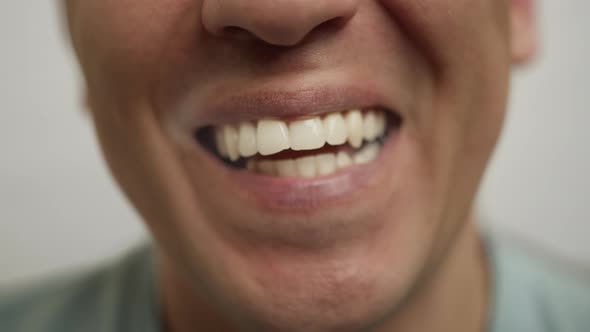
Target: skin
x=406, y=246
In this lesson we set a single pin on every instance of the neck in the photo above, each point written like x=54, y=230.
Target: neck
x=453, y=296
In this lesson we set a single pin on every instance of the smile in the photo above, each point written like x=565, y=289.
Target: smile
x=293, y=150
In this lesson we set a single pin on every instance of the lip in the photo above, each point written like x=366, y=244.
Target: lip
x=302, y=98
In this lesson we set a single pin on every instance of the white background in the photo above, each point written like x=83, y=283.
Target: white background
x=59, y=208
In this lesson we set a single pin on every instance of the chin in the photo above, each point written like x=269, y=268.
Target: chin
x=346, y=265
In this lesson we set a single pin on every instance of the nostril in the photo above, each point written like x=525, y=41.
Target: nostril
x=238, y=33
x=278, y=23
x=331, y=24
x=235, y=32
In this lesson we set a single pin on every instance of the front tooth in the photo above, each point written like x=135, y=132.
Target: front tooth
x=286, y=167
x=267, y=167
x=230, y=134
x=307, y=134
x=272, y=137
x=220, y=142
x=247, y=140
x=335, y=129
x=326, y=163
x=354, y=122
x=306, y=166
x=367, y=154
x=370, y=130
x=343, y=159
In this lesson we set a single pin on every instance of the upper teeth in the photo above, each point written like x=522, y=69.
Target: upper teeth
x=270, y=136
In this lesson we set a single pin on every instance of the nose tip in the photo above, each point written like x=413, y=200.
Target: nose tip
x=276, y=22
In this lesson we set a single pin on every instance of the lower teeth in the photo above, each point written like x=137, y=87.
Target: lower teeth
x=315, y=165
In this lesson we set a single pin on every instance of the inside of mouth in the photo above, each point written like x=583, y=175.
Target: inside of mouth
x=306, y=162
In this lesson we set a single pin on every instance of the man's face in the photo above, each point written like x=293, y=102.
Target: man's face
x=328, y=237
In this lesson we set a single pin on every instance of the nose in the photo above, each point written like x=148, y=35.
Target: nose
x=276, y=22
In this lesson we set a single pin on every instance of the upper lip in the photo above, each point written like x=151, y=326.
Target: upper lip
x=280, y=103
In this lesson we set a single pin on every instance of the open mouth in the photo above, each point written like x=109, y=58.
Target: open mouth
x=307, y=147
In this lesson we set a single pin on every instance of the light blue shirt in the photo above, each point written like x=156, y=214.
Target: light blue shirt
x=529, y=294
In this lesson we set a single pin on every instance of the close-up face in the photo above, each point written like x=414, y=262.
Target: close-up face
x=304, y=163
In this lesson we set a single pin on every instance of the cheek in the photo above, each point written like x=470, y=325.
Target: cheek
x=125, y=41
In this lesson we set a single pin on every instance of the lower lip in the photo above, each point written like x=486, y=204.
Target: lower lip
x=303, y=195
